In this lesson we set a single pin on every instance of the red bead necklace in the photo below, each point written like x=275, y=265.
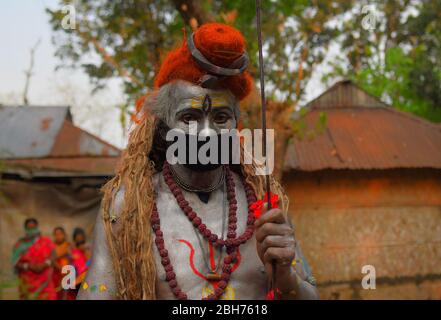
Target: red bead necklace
x=232, y=242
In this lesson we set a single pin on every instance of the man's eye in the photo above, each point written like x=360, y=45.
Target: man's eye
x=221, y=118
x=187, y=118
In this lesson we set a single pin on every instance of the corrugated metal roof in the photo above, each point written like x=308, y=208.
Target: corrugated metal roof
x=29, y=132
x=345, y=94
x=75, y=142
x=36, y=140
x=362, y=137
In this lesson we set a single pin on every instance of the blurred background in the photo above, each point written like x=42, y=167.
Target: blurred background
x=354, y=96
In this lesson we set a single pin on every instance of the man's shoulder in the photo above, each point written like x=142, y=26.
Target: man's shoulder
x=120, y=193
x=117, y=204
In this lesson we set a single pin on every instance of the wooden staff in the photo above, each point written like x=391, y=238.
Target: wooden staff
x=263, y=110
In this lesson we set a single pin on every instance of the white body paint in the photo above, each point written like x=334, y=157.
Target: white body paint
x=246, y=282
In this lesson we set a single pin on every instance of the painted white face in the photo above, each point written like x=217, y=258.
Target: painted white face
x=211, y=110
x=199, y=118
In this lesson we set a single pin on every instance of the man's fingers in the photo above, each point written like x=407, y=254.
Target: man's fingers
x=277, y=241
x=282, y=256
x=274, y=229
x=274, y=215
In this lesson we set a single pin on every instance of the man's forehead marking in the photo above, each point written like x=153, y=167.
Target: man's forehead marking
x=216, y=99
x=206, y=105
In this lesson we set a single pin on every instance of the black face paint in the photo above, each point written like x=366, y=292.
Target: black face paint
x=198, y=166
x=228, y=150
x=224, y=152
x=222, y=148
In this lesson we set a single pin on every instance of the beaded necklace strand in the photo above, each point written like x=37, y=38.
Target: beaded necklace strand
x=232, y=242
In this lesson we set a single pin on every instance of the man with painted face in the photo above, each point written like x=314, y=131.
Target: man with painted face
x=33, y=257
x=179, y=229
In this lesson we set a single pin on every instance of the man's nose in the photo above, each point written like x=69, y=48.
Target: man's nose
x=207, y=129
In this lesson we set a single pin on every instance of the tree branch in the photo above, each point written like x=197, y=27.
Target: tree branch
x=192, y=12
x=122, y=72
x=29, y=73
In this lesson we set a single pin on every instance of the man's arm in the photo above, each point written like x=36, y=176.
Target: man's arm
x=300, y=284
x=276, y=244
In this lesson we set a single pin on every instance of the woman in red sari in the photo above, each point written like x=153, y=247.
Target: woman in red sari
x=32, y=258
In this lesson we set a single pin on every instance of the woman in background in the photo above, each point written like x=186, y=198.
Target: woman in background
x=33, y=257
x=81, y=255
x=62, y=258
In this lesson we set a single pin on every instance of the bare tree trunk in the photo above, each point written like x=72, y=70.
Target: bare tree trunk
x=29, y=73
x=192, y=12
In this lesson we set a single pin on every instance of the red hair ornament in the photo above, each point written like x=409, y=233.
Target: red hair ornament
x=215, y=51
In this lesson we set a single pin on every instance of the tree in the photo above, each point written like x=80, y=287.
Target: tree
x=398, y=83
x=131, y=37
x=398, y=59
x=391, y=48
x=127, y=37
x=423, y=34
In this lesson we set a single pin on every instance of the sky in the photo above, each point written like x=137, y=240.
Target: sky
x=22, y=24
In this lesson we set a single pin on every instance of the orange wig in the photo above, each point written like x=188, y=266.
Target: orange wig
x=221, y=45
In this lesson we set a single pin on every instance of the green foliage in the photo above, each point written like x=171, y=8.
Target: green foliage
x=400, y=60
x=135, y=34
x=296, y=36
x=129, y=37
x=395, y=83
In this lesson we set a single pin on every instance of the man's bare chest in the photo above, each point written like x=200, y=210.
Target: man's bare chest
x=196, y=262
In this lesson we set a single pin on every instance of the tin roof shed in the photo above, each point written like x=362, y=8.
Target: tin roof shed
x=364, y=133
x=43, y=141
